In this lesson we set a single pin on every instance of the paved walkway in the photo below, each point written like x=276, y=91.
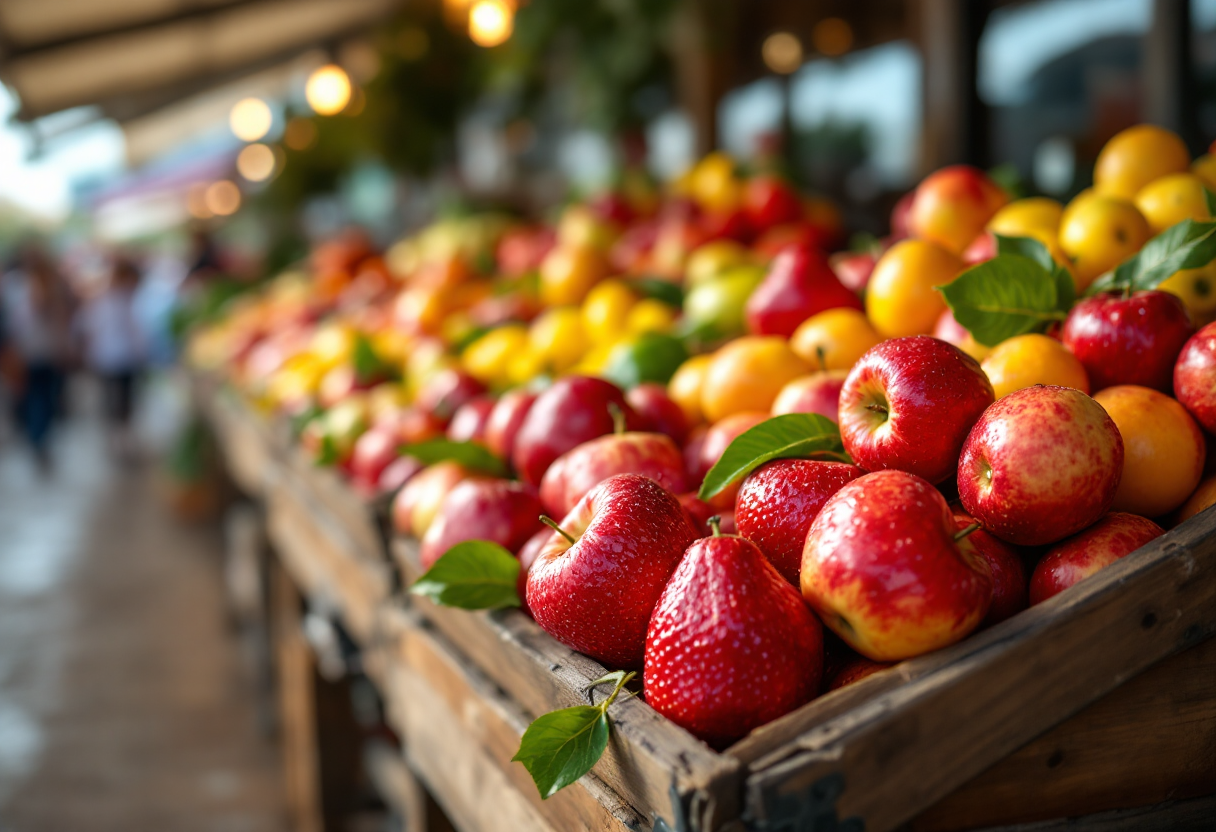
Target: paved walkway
x=124, y=704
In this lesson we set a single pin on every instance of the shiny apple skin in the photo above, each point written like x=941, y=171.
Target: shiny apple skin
x=1068, y=563
x=952, y=206
x=1195, y=377
x=1132, y=340
x=597, y=595
x=778, y=502
x=816, y=393
x=933, y=393
x=444, y=394
x=528, y=553
x=573, y=410
x=501, y=511
x=1040, y=464
x=800, y=283
x=417, y=503
x=577, y=471
x=506, y=419
x=1004, y=566
x=658, y=412
x=883, y=571
x=853, y=269
x=470, y=420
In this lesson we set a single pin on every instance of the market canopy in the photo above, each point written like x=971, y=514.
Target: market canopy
x=131, y=57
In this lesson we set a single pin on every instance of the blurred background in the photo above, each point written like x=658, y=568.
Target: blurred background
x=175, y=151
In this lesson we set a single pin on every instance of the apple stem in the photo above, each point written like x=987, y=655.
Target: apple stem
x=715, y=525
x=964, y=532
x=876, y=408
x=618, y=418
x=551, y=523
x=823, y=362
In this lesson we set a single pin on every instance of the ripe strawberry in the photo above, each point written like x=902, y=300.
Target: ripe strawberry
x=731, y=645
x=778, y=501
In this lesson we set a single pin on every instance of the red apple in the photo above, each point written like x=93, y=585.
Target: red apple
x=577, y=471
x=853, y=269
x=950, y=330
x=397, y=473
x=657, y=411
x=413, y=424
x=373, y=452
x=952, y=206
x=1195, y=377
x=415, y=506
x=500, y=511
x=882, y=568
x=596, y=594
x=901, y=217
x=778, y=501
x=1128, y=340
x=444, y=393
x=506, y=419
x=1040, y=464
x=799, y=284
x=815, y=393
x=1072, y=561
x=471, y=419
x=574, y=410
x=908, y=404
x=982, y=248
x=769, y=200
x=1004, y=565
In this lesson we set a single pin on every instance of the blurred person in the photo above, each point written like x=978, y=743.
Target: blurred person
x=115, y=349
x=37, y=312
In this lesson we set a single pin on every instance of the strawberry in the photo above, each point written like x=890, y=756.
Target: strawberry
x=731, y=644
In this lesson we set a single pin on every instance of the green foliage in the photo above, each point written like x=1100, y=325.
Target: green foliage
x=792, y=436
x=474, y=575
x=1190, y=244
x=1009, y=295
x=470, y=455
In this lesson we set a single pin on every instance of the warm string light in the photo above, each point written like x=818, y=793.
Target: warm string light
x=491, y=22
x=250, y=119
x=256, y=162
x=328, y=90
x=782, y=52
x=222, y=198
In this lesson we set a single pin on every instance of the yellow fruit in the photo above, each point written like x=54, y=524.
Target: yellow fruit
x=1026, y=360
x=596, y=359
x=386, y=397
x=526, y=365
x=1197, y=288
x=558, y=339
x=1099, y=232
x=1171, y=199
x=714, y=258
x=332, y=344
x=747, y=374
x=487, y=358
x=1136, y=157
x=834, y=339
x=650, y=315
x=1202, y=497
x=713, y=184
x=1205, y=168
x=606, y=309
x=579, y=226
x=901, y=298
x=568, y=273
x=1026, y=216
x=685, y=386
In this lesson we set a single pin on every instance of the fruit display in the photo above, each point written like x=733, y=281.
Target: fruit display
x=697, y=443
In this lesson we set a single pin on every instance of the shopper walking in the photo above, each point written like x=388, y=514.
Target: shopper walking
x=115, y=349
x=37, y=310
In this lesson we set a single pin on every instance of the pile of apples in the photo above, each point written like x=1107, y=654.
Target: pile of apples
x=958, y=481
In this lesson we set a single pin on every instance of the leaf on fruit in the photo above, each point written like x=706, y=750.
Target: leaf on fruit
x=1190, y=244
x=473, y=575
x=471, y=455
x=1066, y=292
x=367, y=364
x=1009, y=295
x=791, y=436
x=659, y=289
x=560, y=747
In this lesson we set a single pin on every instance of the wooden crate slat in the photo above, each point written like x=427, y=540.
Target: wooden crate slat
x=646, y=750
x=909, y=747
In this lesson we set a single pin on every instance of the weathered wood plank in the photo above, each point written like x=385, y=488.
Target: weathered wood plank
x=906, y=748
x=1176, y=816
x=646, y=752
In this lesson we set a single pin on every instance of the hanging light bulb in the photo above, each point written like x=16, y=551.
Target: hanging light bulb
x=327, y=90
x=491, y=22
x=250, y=119
x=255, y=162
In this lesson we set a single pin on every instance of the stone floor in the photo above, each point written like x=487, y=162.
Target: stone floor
x=124, y=703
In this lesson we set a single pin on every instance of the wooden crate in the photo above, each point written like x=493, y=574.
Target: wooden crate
x=1049, y=714
x=254, y=448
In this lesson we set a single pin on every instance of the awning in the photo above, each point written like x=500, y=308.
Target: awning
x=132, y=57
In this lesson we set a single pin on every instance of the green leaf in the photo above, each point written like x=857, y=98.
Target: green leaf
x=368, y=366
x=1187, y=245
x=328, y=454
x=562, y=746
x=650, y=357
x=790, y=436
x=659, y=289
x=470, y=455
x=1210, y=196
x=1027, y=247
x=1006, y=296
x=473, y=575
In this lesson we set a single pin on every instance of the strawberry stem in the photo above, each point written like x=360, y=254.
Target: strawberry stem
x=551, y=523
x=963, y=533
x=618, y=418
x=715, y=525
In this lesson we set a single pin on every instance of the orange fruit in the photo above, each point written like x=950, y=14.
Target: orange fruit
x=1136, y=157
x=1171, y=199
x=1205, y=168
x=900, y=298
x=1203, y=497
x=1197, y=289
x=1024, y=217
x=747, y=374
x=568, y=273
x=685, y=386
x=1163, y=449
x=1026, y=360
x=1099, y=232
x=834, y=339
